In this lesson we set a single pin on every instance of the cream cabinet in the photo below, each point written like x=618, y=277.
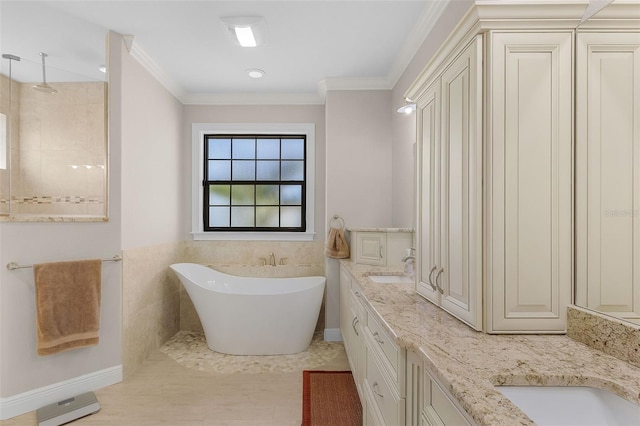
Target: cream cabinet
x=608, y=172
x=529, y=174
x=384, y=381
x=495, y=182
x=428, y=402
x=450, y=176
x=379, y=247
x=352, y=323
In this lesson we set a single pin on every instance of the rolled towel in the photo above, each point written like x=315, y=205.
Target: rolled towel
x=337, y=246
x=67, y=304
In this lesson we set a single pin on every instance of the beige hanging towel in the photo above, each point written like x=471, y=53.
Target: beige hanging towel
x=67, y=304
x=337, y=246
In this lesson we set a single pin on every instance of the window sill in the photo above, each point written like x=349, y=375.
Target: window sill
x=253, y=236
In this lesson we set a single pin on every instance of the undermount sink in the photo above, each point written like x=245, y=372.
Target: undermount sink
x=572, y=405
x=391, y=279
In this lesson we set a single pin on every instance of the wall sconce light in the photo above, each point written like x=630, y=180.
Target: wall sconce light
x=407, y=108
x=248, y=31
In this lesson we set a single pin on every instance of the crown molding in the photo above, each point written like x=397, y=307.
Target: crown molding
x=430, y=16
x=252, y=99
x=154, y=69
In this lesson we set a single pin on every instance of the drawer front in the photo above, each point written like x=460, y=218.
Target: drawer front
x=386, y=398
x=386, y=346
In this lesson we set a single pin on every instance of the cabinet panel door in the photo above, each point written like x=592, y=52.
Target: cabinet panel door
x=608, y=173
x=459, y=273
x=370, y=248
x=428, y=168
x=530, y=206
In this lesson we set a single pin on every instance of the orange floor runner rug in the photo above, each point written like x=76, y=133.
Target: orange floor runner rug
x=330, y=398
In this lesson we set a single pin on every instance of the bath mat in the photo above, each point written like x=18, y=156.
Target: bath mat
x=190, y=350
x=330, y=398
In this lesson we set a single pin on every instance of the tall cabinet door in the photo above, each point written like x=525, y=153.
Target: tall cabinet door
x=608, y=173
x=428, y=171
x=529, y=207
x=459, y=273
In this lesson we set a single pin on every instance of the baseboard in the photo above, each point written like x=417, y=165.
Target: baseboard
x=332, y=335
x=34, y=399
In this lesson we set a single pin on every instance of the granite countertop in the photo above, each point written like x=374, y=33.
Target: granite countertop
x=355, y=229
x=469, y=363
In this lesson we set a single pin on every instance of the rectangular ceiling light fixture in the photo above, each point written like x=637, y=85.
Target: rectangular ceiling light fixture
x=245, y=36
x=248, y=31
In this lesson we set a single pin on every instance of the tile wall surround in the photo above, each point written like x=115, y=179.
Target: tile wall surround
x=150, y=301
x=608, y=334
x=72, y=122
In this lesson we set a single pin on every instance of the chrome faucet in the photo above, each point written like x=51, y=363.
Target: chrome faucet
x=272, y=259
x=411, y=255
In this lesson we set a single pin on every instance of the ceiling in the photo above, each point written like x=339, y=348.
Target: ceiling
x=310, y=45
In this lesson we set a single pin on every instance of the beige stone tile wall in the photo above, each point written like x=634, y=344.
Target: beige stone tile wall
x=151, y=301
x=610, y=335
x=58, y=131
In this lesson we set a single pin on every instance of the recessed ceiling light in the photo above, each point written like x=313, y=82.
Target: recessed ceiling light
x=255, y=73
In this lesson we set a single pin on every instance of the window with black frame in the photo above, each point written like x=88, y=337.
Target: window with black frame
x=254, y=183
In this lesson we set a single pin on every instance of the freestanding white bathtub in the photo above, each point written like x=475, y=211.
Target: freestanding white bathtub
x=253, y=316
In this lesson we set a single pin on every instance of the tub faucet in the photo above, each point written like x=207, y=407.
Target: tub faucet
x=272, y=259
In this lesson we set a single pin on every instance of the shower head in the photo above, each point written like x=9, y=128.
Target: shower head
x=44, y=87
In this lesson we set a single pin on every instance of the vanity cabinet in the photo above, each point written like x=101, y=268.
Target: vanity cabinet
x=384, y=381
x=353, y=317
x=428, y=403
x=495, y=174
x=379, y=247
x=608, y=172
x=376, y=361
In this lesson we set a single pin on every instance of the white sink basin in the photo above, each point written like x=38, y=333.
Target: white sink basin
x=391, y=279
x=572, y=405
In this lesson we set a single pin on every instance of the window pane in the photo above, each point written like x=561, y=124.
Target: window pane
x=220, y=148
x=267, y=195
x=292, y=170
x=242, y=216
x=244, y=148
x=290, y=216
x=219, y=217
x=267, y=217
x=291, y=194
x=219, y=170
x=244, y=170
x=219, y=195
x=268, y=170
x=268, y=149
x=242, y=195
x=293, y=149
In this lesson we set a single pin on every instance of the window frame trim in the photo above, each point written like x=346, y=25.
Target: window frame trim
x=198, y=131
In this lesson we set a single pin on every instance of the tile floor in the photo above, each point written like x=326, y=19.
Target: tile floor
x=165, y=392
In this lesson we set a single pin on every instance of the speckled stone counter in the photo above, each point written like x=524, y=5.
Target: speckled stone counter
x=469, y=363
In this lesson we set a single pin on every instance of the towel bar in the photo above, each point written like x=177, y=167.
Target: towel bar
x=13, y=265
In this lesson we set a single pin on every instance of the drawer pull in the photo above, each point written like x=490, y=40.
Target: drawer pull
x=353, y=324
x=376, y=391
x=377, y=338
x=357, y=293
